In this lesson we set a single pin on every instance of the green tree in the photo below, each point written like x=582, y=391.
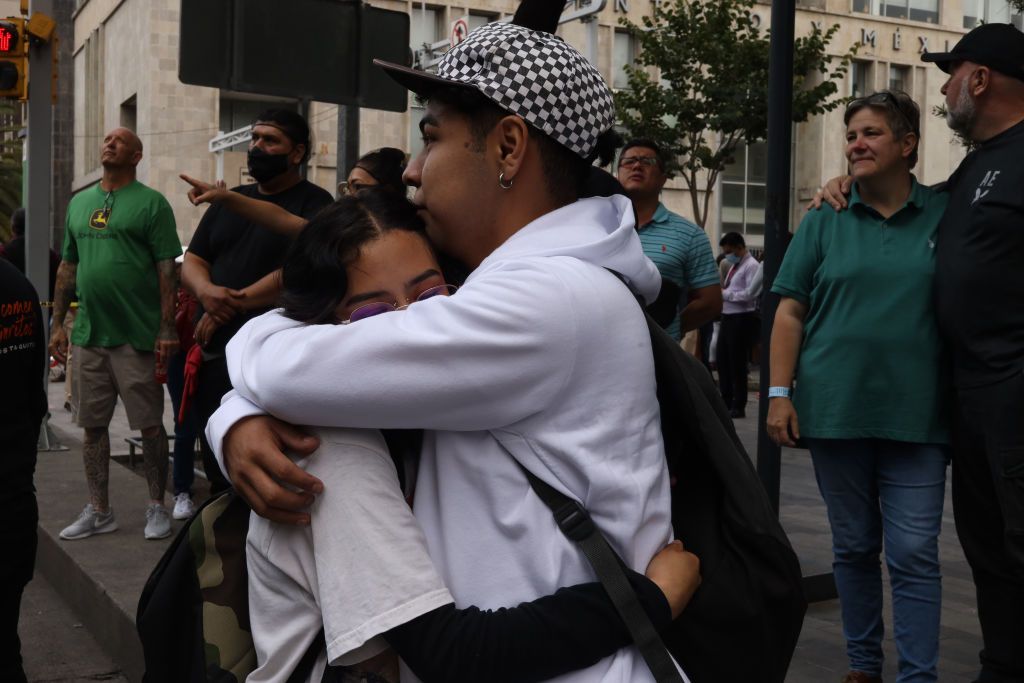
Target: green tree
x=711, y=91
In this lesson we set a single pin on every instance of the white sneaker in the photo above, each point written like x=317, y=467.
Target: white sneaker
x=184, y=508
x=88, y=523
x=158, y=522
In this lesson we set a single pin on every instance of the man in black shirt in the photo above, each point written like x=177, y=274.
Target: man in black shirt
x=22, y=406
x=231, y=262
x=979, y=295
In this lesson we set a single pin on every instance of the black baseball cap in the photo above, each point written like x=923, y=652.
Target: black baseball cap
x=998, y=46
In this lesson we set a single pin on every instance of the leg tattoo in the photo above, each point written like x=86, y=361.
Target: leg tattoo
x=154, y=457
x=96, y=454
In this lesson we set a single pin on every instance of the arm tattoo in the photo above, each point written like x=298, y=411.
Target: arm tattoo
x=165, y=270
x=64, y=290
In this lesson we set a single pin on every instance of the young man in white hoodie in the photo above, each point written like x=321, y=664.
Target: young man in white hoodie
x=542, y=359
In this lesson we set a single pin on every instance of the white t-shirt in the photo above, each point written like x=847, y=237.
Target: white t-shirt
x=359, y=569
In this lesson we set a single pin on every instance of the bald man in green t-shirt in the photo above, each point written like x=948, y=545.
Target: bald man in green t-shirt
x=120, y=243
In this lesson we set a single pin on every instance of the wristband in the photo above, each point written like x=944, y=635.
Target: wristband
x=778, y=392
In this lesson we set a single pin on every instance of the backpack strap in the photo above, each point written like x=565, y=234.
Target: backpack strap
x=577, y=525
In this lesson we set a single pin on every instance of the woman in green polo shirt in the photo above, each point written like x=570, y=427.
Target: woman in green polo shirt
x=857, y=327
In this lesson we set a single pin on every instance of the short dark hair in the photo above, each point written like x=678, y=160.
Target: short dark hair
x=314, y=276
x=291, y=124
x=18, y=222
x=565, y=171
x=387, y=165
x=649, y=144
x=901, y=113
x=732, y=239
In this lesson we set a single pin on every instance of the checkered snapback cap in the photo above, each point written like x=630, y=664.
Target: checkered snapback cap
x=533, y=74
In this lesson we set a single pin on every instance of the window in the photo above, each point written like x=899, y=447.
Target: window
x=915, y=10
x=990, y=11
x=426, y=26
x=924, y=10
x=974, y=11
x=129, y=113
x=623, y=54
x=899, y=78
x=94, y=117
x=860, y=79
x=478, y=19
x=238, y=110
x=744, y=191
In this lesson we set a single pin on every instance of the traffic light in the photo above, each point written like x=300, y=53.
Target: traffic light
x=13, y=58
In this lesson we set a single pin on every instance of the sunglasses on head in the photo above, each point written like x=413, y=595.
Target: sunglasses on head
x=377, y=307
x=883, y=99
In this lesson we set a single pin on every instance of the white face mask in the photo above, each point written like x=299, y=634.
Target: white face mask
x=732, y=258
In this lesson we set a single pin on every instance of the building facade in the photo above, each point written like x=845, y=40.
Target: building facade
x=125, y=64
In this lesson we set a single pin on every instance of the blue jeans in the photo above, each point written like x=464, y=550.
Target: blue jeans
x=875, y=489
x=183, y=473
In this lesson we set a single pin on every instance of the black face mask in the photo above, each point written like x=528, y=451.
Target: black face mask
x=264, y=167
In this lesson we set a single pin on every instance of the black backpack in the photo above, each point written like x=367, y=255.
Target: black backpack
x=744, y=621
x=193, y=614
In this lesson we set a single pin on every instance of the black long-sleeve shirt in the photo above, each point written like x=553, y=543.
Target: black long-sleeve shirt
x=572, y=629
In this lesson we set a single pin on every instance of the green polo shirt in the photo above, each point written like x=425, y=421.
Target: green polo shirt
x=871, y=363
x=116, y=251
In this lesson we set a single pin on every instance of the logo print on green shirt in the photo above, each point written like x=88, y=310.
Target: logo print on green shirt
x=99, y=218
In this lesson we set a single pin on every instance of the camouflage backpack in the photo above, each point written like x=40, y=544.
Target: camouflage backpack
x=193, y=615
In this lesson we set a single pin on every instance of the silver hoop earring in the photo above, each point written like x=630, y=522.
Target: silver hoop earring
x=501, y=182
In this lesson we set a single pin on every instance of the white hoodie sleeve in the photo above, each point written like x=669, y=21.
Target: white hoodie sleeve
x=233, y=408
x=495, y=353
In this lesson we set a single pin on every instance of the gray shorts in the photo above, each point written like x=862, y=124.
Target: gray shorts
x=102, y=374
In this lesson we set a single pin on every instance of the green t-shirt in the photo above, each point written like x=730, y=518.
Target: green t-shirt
x=871, y=363
x=118, y=285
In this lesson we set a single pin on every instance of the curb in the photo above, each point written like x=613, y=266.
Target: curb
x=100, y=577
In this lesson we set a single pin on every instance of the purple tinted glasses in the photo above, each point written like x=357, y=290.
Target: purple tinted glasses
x=377, y=307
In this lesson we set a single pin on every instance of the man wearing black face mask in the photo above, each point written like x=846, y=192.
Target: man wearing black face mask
x=231, y=262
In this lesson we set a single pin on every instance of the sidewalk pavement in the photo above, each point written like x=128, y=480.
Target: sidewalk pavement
x=101, y=577
x=56, y=645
